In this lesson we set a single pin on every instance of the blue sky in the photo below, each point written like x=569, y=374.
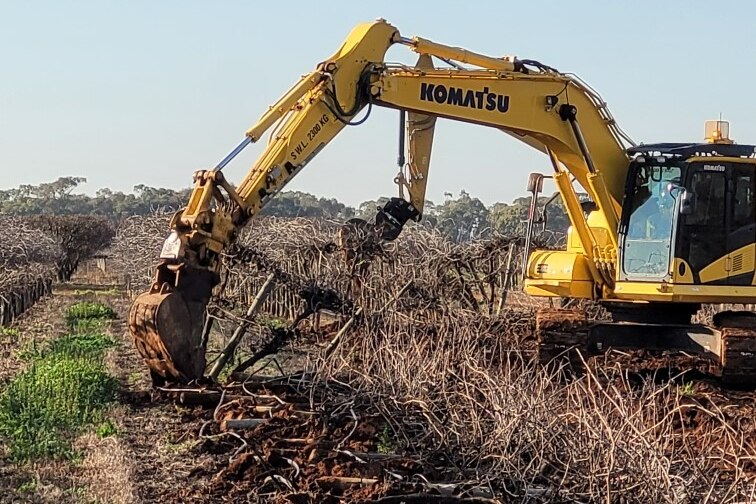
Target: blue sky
x=146, y=92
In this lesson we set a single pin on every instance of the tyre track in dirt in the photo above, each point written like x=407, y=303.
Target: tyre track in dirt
x=157, y=435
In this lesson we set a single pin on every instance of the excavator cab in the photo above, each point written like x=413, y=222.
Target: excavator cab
x=688, y=216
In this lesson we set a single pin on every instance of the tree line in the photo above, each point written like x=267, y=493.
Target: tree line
x=462, y=218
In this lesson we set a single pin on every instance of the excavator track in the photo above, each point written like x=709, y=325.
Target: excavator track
x=739, y=357
x=562, y=335
x=729, y=345
x=738, y=351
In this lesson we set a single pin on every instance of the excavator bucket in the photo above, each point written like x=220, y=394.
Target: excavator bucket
x=166, y=325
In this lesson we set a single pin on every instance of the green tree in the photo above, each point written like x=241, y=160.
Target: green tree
x=511, y=218
x=58, y=198
x=462, y=219
x=49, y=197
x=367, y=209
x=302, y=204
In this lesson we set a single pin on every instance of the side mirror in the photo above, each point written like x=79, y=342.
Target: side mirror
x=687, y=202
x=535, y=183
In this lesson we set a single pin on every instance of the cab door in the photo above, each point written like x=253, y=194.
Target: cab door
x=703, y=236
x=741, y=236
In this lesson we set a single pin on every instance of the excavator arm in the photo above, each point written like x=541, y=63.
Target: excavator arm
x=553, y=112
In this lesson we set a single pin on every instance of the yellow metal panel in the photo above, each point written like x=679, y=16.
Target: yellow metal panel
x=558, y=265
x=559, y=273
x=425, y=46
x=420, y=129
x=599, y=229
x=648, y=291
x=609, y=209
x=686, y=277
x=602, y=236
x=579, y=224
x=715, y=271
x=573, y=241
x=743, y=259
x=511, y=102
x=549, y=288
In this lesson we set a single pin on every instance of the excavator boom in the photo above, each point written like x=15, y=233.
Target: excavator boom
x=531, y=102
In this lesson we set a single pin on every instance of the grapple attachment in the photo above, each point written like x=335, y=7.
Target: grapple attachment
x=167, y=325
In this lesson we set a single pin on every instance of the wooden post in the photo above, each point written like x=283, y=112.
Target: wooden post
x=336, y=339
x=505, y=285
x=240, y=331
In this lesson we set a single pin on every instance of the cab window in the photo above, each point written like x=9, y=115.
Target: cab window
x=710, y=190
x=743, y=204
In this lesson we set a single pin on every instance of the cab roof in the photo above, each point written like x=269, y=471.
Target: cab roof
x=694, y=149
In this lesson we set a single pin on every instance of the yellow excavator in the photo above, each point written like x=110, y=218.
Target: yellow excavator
x=666, y=226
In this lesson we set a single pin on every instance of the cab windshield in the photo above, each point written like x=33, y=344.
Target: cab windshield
x=650, y=226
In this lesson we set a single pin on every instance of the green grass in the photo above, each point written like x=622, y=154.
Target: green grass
x=687, y=390
x=29, y=351
x=84, y=310
x=58, y=394
x=87, y=325
x=134, y=378
x=106, y=429
x=385, y=443
x=85, y=338
x=10, y=332
x=76, y=345
x=65, y=388
x=27, y=487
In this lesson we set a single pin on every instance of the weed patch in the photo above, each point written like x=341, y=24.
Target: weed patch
x=86, y=326
x=385, y=443
x=64, y=389
x=106, y=429
x=10, y=332
x=29, y=351
x=687, y=390
x=58, y=394
x=81, y=344
x=27, y=487
x=84, y=310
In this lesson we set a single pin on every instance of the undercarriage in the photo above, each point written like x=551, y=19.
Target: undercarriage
x=726, y=347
